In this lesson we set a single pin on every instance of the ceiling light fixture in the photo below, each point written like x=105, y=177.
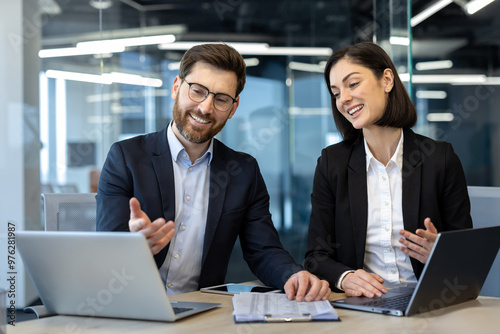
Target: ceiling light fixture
x=126, y=42
x=106, y=46
x=433, y=65
x=394, y=40
x=476, y=5
x=431, y=94
x=249, y=62
x=74, y=76
x=256, y=49
x=50, y=7
x=472, y=79
x=101, y=4
x=241, y=47
x=133, y=79
x=453, y=79
x=306, y=67
x=429, y=11
x=105, y=78
x=174, y=66
x=440, y=117
x=66, y=52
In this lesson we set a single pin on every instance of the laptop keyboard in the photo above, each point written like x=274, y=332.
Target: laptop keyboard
x=398, y=302
x=178, y=310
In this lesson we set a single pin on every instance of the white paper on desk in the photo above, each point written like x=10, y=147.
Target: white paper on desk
x=252, y=306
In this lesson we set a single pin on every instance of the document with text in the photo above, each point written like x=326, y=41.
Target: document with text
x=274, y=307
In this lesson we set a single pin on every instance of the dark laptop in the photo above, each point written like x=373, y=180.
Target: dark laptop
x=99, y=274
x=455, y=273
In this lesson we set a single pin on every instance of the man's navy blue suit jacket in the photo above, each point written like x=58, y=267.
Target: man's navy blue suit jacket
x=141, y=167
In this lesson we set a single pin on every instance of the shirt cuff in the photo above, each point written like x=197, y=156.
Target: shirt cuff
x=341, y=278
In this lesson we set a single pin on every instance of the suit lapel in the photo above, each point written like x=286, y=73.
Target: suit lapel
x=164, y=172
x=358, y=198
x=411, y=176
x=219, y=179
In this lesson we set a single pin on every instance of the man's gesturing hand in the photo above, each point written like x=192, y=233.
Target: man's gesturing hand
x=158, y=233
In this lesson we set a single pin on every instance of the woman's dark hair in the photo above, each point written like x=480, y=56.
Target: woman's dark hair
x=219, y=55
x=400, y=112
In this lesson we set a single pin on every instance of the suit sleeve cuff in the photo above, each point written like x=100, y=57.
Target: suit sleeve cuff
x=341, y=278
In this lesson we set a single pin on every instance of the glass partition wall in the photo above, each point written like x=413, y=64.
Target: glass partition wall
x=107, y=67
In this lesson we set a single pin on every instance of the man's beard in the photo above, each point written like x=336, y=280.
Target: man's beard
x=194, y=135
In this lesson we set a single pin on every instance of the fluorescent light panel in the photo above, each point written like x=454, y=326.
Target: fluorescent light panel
x=251, y=62
x=125, y=42
x=306, y=67
x=241, y=47
x=394, y=40
x=450, y=78
x=476, y=5
x=132, y=79
x=105, y=78
x=174, y=66
x=256, y=49
x=106, y=46
x=66, y=52
x=75, y=76
x=453, y=79
x=434, y=65
x=429, y=11
x=431, y=94
x=440, y=117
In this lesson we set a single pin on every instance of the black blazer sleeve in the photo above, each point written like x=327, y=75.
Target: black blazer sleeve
x=260, y=241
x=328, y=254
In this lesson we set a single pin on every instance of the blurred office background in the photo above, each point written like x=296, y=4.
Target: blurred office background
x=65, y=96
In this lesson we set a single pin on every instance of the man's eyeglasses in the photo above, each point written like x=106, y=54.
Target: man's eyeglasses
x=198, y=93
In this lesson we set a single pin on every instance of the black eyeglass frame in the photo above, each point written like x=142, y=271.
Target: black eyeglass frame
x=190, y=84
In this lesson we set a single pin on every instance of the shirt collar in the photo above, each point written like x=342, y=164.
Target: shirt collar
x=176, y=148
x=397, y=158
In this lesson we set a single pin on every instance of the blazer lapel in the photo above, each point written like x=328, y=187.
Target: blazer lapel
x=219, y=179
x=358, y=198
x=164, y=172
x=411, y=176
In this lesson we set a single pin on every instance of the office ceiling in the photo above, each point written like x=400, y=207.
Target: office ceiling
x=471, y=42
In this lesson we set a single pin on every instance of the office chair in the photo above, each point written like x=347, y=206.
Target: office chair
x=485, y=211
x=66, y=212
x=69, y=212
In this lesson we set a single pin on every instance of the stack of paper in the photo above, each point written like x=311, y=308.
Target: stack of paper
x=274, y=307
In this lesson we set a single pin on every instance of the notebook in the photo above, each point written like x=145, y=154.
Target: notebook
x=455, y=273
x=99, y=274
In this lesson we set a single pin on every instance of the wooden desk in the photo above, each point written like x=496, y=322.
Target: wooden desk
x=478, y=316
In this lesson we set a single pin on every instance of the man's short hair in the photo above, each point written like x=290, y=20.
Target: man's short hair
x=219, y=55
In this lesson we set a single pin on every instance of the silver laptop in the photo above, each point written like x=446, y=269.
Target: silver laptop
x=455, y=273
x=99, y=274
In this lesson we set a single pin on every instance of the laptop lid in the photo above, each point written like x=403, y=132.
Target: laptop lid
x=455, y=273
x=457, y=268
x=102, y=274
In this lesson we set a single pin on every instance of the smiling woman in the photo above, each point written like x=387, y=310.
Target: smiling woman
x=381, y=195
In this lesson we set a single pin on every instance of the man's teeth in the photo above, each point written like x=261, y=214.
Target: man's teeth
x=199, y=120
x=352, y=111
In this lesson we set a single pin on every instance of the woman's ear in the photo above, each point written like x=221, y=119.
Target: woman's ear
x=388, y=80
